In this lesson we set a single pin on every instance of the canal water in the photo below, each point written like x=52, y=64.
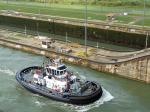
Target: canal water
x=120, y=95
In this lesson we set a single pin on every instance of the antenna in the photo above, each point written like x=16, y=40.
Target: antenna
x=97, y=46
x=25, y=30
x=37, y=28
x=43, y=62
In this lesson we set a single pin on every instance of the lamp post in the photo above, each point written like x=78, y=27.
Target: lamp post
x=146, y=40
x=45, y=3
x=7, y=5
x=85, y=27
x=25, y=30
x=144, y=13
x=66, y=38
x=37, y=28
x=97, y=46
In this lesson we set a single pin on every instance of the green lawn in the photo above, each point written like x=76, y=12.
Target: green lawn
x=75, y=11
x=145, y=23
x=56, y=10
x=125, y=19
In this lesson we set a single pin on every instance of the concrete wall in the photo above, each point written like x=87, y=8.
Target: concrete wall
x=101, y=33
x=136, y=69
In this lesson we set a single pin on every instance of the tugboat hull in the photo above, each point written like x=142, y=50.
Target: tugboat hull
x=67, y=98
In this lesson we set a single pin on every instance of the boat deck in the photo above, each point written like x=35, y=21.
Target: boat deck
x=28, y=78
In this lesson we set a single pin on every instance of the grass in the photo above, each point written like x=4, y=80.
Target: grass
x=55, y=11
x=81, y=54
x=114, y=3
x=145, y=23
x=125, y=19
x=76, y=11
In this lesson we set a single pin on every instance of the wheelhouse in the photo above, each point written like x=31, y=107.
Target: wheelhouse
x=56, y=70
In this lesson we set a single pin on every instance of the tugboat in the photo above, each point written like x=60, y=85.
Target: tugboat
x=55, y=81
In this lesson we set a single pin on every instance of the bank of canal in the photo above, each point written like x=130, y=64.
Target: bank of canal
x=129, y=96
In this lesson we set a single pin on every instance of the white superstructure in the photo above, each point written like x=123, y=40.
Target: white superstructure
x=56, y=77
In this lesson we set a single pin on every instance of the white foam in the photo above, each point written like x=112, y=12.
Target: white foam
x=106, y=96
x=83, y=77
x=39, y=104
x=7, y=71
x=37, y=95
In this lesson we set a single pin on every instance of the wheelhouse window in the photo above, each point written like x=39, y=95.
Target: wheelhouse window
x=62, y=67
x=53, y=72
x=61, y=72
x=48, y=70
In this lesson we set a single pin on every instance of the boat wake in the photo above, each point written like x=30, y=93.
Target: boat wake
x=7, y=71
x=40, y=104
x=106, y=96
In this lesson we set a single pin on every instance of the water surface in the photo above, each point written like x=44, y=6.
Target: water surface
x=120, y=95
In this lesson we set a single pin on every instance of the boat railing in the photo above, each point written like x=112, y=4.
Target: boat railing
x=85, y=86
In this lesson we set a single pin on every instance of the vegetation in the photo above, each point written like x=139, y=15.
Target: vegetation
x=96, y=2
x=55, y=11
x=75, y=9
x=145, y=22
x=95, y=12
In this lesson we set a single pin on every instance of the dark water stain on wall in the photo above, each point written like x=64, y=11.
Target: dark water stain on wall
x=94, y=34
